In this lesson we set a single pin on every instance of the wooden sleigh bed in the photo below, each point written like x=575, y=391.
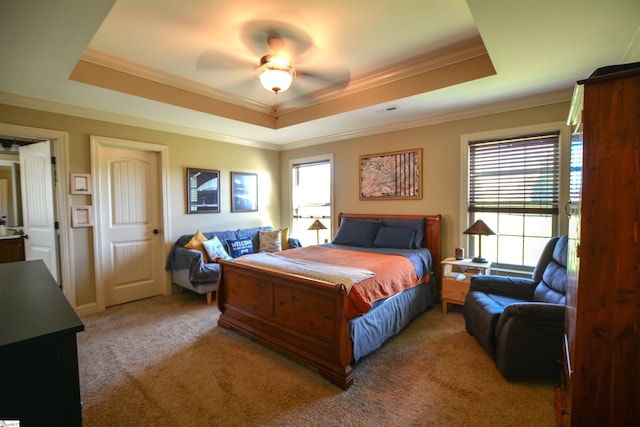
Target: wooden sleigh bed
x=305, y=318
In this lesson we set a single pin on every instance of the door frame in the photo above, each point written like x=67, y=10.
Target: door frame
x=60, y=141
x=165, y=232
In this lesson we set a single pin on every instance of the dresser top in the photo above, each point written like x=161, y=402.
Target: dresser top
x=32, y=305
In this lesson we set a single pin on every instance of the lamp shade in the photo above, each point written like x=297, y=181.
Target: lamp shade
x=479, y=228
x=276, y=73
x=276, y=80
x=317, y=225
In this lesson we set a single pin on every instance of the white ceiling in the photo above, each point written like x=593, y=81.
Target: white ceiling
x=188, y=66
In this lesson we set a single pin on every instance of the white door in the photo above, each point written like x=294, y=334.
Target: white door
x=130, y=215
x=36, y=182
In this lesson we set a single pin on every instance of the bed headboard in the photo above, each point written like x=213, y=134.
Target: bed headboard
x=431, y=238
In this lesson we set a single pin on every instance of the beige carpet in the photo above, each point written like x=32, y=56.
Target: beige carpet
x=164, y=362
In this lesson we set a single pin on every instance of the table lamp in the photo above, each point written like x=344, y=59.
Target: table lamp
x=317, y=225
x=480, y=229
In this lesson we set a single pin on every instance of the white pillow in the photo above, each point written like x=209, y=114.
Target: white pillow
x=215, y=249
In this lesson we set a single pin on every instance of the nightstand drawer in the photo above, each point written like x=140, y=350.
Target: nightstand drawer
x=455, y=290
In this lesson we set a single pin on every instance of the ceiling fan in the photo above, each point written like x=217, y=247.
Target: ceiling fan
x=281, y=54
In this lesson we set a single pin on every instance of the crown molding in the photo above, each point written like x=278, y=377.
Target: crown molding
x=443, y=57
x=440, y=58
x=431, y=119
x=119, y=64
x=549, y=98
x=104, y=116
x=452, y=54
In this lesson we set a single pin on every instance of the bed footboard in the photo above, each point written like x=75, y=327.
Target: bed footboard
x=303, y=318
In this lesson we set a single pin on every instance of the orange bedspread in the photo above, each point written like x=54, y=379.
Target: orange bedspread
x=394, y=273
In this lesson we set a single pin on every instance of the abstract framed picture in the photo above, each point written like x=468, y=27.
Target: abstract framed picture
x=244, y=192
x=387, y=176
x=203, y=195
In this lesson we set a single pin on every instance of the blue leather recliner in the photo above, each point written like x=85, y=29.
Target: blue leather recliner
x=520, y=321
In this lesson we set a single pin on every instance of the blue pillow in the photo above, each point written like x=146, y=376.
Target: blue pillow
x=394, y=237
x=240, y=247
x=417, y=224
x=356, y=233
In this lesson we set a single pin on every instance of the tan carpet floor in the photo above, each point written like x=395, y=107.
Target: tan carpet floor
x=164, y=361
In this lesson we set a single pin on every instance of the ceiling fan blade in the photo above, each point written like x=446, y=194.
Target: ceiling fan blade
x=211, y=59
x=246, y=87
x=309, y=87
x=255, y=35
x=336, y=78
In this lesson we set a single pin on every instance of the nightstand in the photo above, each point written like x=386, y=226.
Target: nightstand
x=456, y=278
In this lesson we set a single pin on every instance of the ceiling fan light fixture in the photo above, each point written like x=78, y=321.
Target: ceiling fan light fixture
x=276, y=73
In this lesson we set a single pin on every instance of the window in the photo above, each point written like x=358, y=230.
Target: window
x=311, y=199
x=514, y=188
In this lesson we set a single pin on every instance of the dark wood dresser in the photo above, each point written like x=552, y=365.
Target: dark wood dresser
x=39, y=382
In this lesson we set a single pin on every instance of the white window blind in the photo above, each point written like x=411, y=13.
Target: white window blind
x=517, y=175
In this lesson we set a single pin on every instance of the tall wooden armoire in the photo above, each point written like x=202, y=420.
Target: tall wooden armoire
x=601, y=375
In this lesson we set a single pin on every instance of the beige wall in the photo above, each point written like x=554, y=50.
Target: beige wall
x=441, y=173
x=184, y=151
x=441, y=166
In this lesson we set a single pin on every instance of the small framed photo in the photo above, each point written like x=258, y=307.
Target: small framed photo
x=244, y=192
x=80, y=183
x=203, y=193
x=81, y=216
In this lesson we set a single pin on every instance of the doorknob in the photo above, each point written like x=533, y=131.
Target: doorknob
x=156, y=231
x=26, y=236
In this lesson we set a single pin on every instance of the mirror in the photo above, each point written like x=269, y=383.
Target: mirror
x=10, y=196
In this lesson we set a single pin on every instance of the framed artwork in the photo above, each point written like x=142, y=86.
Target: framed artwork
x=81, y=216
x=203, y=191
x=80, y=183
x=396, y=175
x=244, y=192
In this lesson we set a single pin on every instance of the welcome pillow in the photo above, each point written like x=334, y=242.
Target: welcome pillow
x=240, y=247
